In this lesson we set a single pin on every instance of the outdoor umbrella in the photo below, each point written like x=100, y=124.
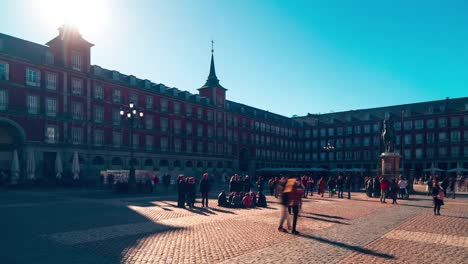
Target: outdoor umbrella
x=31, y=165
x=15, y=168
x=58, y=166
x=433, y=170
x=76, y=166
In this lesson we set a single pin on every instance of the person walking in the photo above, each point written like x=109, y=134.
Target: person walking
x=451, y=187
x=438, y=197
x=429, y=186
x=283, y=193
x=348, y=184
x=205, y=187
x=181, y=191
x=402, y=184
x=310, y=185
x=376, y=187
x=295, y=202
x=394, y=188
x=384, y=186
x=339, y=186
x=321, y=186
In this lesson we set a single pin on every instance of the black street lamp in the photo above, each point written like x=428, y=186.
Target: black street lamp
x=328, y=148
x=131, y=114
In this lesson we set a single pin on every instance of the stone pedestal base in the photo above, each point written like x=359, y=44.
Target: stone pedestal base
x=390, y=165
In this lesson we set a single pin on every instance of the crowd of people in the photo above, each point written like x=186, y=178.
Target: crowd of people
x=381, y=187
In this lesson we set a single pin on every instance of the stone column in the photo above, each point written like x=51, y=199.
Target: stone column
x=390, y=165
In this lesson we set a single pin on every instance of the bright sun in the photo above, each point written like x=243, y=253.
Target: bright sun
x=89, y=16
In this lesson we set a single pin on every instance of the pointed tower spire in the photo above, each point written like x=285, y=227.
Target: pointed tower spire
x=212, y=78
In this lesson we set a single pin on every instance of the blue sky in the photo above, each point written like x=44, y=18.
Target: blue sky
x=288, y=57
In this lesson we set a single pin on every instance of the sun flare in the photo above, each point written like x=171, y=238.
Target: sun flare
x=89, y=16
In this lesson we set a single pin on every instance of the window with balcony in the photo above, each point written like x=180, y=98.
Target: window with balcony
x=98, y=92
x=209, y=115
x=199, y=113
x=347, y=142
x=442, y=121
x=407, y=154
x=4, y=71
x=188, y=128
x=375, y=127
x=357, y=142
x=357, y=130
x=455, y=121
x=235, y=136
x=210, y=148
x=98, y=137
x=418, y=124
x=188, y=146
x=133, y=98
x=32, y=104
x=430, y=152
x=430, y=123
x=323, y=132
x=188, y=111
x=76, y=61
x=454, y=151
x=235, y=121
x=455, y=136
x=51, y=81
x=430, y=138
x=397, y=126
x=51, y=134
x=116, y=96
x=367, y=129
x=418, y=153
x=164, y=143
x=419, y=138
x=3, y=99
x=163, y=124
x=442, y=152
x=149, y=121
x=77, y=135
x=376, y=140
x=33, y=77
x=98, y=114
x=77, y=86
x=210, y=132
x=200, y=130
x=116, y=117
x=51, y=107
x=116, y=139
x=77, y=110
x=148, y=142
x=176, y=108
x=367, y=141
x=408, y=125
x=200, y=148
x=443, y=137
x=465, y=135
x=164, y=105
x=407, y=139
x=177, y=127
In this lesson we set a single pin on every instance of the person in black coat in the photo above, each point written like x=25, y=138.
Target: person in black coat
x=261, y=200
x=222, y=199
x=181, y=191
x=191, y=191
x=205, y=187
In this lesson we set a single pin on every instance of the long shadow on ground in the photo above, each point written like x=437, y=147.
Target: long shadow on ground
x=350, y=247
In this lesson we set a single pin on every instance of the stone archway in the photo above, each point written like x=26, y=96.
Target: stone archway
x=12, y=136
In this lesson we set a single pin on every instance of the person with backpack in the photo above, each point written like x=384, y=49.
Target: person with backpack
x=205, y=187
x=438, y=197
x=295, y=202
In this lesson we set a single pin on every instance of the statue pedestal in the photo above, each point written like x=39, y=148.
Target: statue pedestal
x=390, y=165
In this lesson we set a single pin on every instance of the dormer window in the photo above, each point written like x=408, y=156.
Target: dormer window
x=49, y=57
x=97, y=70
x=115, y=75
x=348, y=118
x=442, y=108
x=132, y=80
x=77, y=61
x=147, y=84
x=466, y=106
x=387, y=115
x=4, y=71
x=162, y=89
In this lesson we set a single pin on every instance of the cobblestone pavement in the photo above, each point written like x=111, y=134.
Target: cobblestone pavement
x=80, y=227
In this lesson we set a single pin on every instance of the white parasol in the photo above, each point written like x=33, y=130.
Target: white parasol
x=31, y=165
x=76, y=166
x=15, y=168
x=58, y=166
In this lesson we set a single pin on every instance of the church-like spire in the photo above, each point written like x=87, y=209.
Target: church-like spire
x=212, y=79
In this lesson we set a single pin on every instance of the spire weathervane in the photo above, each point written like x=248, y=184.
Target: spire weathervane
x=212, y=46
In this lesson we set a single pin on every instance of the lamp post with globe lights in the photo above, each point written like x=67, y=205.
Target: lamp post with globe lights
x=328, y=148
x=131, y=114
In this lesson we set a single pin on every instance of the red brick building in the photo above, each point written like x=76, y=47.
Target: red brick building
x=52, y=100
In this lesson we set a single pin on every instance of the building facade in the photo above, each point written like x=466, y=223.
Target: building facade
x=53, y=100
